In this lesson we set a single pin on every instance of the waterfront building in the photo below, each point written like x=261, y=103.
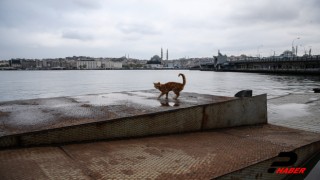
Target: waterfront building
x=28, y=64
x=71, y=64
x=4, y=64
x=88, y=64
x=287, y=54
x=107, y=64
x=170, y=65
x=15, y=63
x=155, y=66
x=98, y=64
x=220, y=60
x=51, y=63
x=155, y=62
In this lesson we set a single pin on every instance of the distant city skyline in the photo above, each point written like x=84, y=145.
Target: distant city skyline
x=38, y=29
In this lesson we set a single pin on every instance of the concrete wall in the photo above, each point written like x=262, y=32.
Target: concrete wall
x=242, y=111
x=237, y=112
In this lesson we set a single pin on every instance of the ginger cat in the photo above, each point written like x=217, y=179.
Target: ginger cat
x=171, y=86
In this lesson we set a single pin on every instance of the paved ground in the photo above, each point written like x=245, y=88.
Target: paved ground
x=201, y=155
x=299, y=111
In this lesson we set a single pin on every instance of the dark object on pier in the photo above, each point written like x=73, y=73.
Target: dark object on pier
x=316, y=90
x=244, y=93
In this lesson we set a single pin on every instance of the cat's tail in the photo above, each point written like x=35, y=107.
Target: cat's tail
x=183, y=78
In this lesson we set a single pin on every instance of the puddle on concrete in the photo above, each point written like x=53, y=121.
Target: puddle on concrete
x=21, y=116
x=95, y=100
x=41, y=112
x=287, y=111
x=56, y=102
x=312, y=100
x=143, y=94
x=75, y=112
x=118, y=99
x=169, y=103
x=25, y=115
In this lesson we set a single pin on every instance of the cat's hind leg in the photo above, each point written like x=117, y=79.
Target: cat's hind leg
x=167, y=95
x=160, y=95
x=177, y=94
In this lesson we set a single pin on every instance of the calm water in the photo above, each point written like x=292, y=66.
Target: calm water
x=15, y=85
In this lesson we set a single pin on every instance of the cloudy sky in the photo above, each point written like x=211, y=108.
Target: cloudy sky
x=188, y=28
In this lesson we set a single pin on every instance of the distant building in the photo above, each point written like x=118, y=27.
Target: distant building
x=4, y=64
x=59, y=63
x=107, y=64
x=70, y=64
x=88, y=64
x=155, y=66
x=28, y=64
x=288, y=54
x=170, y=65
x=220, y=60
x=15, y=63
x=98, y=64
x=155, y=60
x=177, y=64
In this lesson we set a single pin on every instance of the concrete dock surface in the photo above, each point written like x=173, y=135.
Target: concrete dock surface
x=298, y=111
x=198, y=155
x=244, y=152
x=25, y=116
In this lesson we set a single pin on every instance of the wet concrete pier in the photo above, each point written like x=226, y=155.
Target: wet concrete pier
x=24, y=116
x=298, y=111
x=196, y=137
x=122, y=115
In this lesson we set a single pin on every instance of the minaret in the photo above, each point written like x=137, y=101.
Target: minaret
x=161, y=54
x=167, y=55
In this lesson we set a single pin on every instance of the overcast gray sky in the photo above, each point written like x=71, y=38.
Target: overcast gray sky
x=188, y=28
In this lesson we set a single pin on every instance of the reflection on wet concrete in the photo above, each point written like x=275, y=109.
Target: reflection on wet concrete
x=299, y=111
x=39, y=114
x=312, y=100
x=288, y=111
x=117, y=98
x=167, y=102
